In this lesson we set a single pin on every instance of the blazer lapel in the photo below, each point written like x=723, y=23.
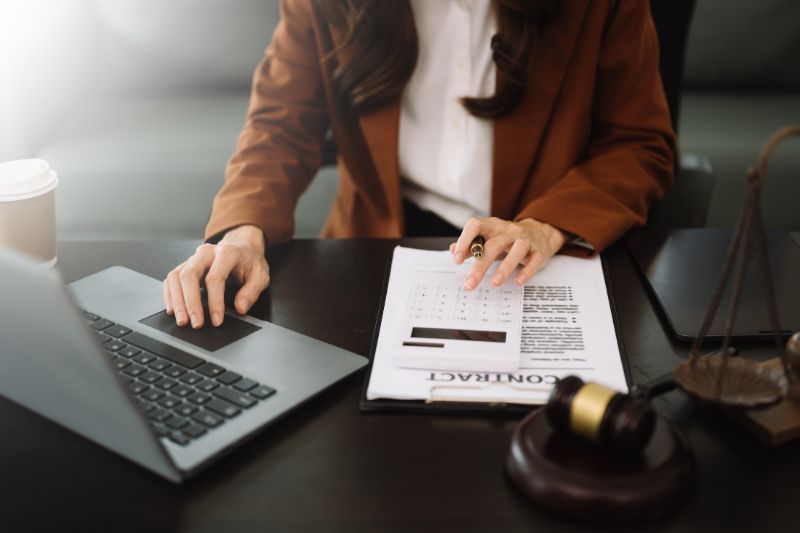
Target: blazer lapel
x=518, y=135
x=381, y=130
x=368, y=144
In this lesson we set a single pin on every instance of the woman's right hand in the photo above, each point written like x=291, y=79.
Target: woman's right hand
x=241, y=253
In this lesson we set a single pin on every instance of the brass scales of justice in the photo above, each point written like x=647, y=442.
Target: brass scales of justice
x=595, y=454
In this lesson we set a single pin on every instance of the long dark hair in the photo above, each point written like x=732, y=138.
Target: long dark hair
x=378, y=51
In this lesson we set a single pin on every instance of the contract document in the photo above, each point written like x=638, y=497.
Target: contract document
x=440, y=342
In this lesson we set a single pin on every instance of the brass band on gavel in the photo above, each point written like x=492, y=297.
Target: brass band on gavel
x=601, y=415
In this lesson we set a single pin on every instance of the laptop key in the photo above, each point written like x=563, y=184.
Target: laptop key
x=150, y=377
x=102, y=339
x=144, y=358
x=211, y=370
x=191, y=378
x=199, y=398
x=134, y=370
x=159, y=415
x=160, y=430
x=175, y=372
x=182, y=390
x=146, y=407
x=207, y=385
x=262, y=391
x=194, y=430
x=152, y=395
x=129, y=351
x=137, y=387
x=169, y=402
x=161, y=349
x=186, y=409
x=222, y=408
x=245, y=384
x=178, y=438
x=209, y=420
x=122, y=363
x=90, y=317
x=116, y=330
x=177, y=422
x=101, y=324
x=235, y=397
x=166, y=383
x=113, y=345
x=159, y=365
x=228, y=378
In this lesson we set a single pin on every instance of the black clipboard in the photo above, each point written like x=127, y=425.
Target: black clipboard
x=467, y=408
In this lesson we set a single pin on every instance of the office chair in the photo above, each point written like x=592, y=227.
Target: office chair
x=686, y=204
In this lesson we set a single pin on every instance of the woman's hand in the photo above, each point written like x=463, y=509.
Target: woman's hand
x=529, y=243
x=241, y=253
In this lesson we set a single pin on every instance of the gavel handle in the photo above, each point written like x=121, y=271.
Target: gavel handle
x=654, y=387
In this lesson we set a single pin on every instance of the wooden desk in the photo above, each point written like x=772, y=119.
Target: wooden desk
x=329, y=467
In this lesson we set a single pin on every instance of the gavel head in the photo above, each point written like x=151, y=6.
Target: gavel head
x=619, y=422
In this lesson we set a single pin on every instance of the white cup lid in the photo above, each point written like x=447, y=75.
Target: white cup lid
x=25, y=178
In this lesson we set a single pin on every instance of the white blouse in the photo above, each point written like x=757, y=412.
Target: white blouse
x=445, y=153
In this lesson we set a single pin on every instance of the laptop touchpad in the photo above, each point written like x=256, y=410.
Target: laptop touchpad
x=208, y=337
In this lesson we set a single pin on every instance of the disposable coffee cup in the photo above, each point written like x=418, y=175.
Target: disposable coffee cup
x=28, y=209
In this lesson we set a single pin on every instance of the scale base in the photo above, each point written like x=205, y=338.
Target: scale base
x=777, y=424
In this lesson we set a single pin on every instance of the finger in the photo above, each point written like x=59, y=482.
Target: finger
x=167, y=297
x=227, y=257
x=452, y=248
x=176, y=295
x=534, y=265
x=519, y=249
x=254, y=284
x=471, y=230
x=493, y=248
x=190, y=275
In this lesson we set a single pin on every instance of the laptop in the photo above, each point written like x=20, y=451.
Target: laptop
x=682, y=269
x=99, y=358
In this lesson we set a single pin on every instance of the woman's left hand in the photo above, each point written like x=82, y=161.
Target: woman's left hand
x=528, y=242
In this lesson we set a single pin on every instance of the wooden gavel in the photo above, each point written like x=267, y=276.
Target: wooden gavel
x=620, y=422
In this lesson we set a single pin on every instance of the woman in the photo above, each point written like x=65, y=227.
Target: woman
x=536, y=124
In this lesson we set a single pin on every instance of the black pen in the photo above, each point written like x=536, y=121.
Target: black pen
x=476, y=248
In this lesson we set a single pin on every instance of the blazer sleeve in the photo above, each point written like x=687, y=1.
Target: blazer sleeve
x=629, y=157
x=279, y=149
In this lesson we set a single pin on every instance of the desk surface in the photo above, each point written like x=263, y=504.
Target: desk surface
x=330, y=467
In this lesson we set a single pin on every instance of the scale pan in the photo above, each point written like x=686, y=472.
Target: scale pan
x=745, y=383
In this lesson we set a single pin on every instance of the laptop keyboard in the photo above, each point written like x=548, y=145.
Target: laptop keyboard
x=182, y=395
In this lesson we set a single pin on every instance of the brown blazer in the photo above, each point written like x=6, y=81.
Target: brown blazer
x=588, y=149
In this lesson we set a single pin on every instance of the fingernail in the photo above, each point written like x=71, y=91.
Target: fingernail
x=244, y=304
x=498, y=278
x=520, y=280
x=215, y=318
x=469, y=282
x=459, y=257
x=180, y=318
x=194, y=320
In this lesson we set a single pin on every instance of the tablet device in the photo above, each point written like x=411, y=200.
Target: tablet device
x=682, y=268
